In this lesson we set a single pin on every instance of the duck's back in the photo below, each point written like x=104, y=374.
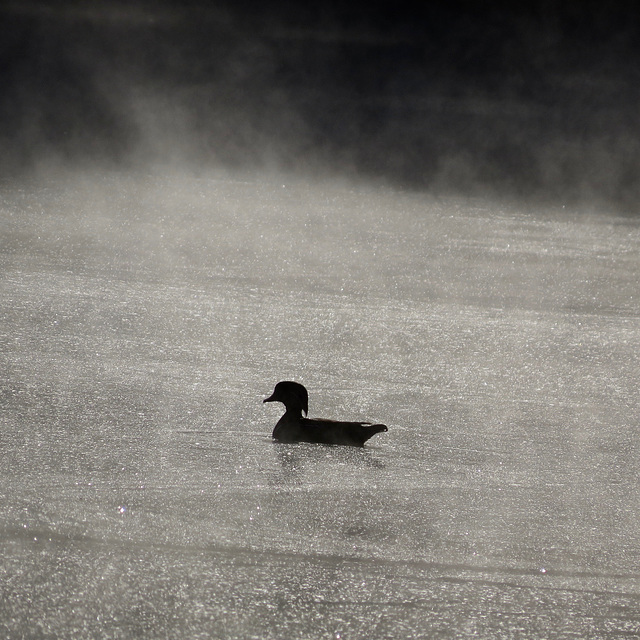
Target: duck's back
x=335, y=432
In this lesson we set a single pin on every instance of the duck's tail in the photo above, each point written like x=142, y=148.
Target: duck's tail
x=370, y=430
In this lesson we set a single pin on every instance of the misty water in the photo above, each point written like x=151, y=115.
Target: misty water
x=144, y=319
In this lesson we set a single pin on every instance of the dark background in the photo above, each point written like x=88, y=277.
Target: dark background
x=536, y=100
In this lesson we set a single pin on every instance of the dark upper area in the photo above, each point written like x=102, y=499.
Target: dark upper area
x=534, y=100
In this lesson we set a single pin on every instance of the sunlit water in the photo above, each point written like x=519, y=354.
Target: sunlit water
x=142, y=322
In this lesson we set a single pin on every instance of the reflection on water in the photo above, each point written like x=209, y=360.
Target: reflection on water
x=295, y=458
x=142, y=322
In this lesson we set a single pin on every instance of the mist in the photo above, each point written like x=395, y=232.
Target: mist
x=537, y=102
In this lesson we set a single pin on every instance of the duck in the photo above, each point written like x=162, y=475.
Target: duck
x=293, y=427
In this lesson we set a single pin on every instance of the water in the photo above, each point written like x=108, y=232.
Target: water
x=144, y=319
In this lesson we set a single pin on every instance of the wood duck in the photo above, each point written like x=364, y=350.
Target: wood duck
x=293, y=427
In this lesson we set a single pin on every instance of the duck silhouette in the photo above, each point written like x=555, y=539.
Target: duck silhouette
x=293, y=427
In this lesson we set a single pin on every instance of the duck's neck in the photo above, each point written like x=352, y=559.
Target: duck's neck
x=293, y=411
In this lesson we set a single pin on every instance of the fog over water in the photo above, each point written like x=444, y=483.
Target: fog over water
x=175, y=238
x=534, y=101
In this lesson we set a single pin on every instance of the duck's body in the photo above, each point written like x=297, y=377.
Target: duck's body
x=293, y=427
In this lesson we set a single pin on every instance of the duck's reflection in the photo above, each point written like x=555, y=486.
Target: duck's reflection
x=295, y=459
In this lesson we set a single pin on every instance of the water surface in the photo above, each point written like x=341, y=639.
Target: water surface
x=144, y=319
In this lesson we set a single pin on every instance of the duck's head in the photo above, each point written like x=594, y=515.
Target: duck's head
x=292, y=395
